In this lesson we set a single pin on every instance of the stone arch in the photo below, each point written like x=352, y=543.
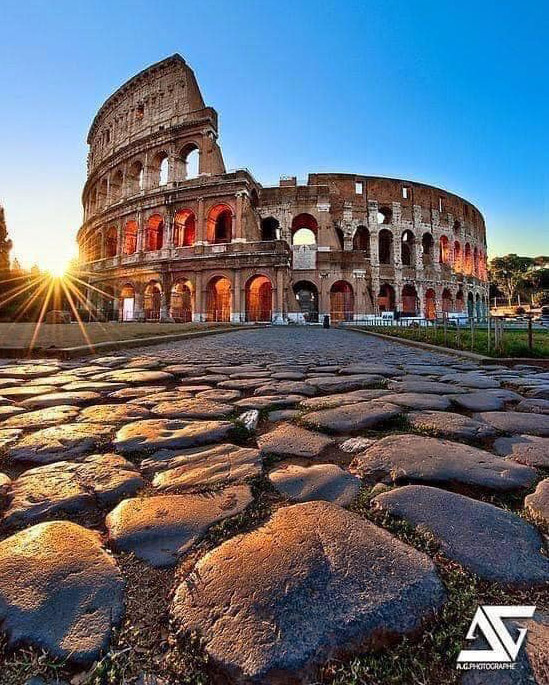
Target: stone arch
x=460, y=301
x=116, y=182
x=95, y=246
x=111, y=242
x=259, y=298
x=182, y=301
x=478, y=306
x=447, y=301
x=108, y=300
x=270, y=228
x=127, y=302
x=218, y=299
x=159, y=169
x=152, y=300
x=407, y=248
x=306, y=294
x=189, y=157
x=361, y=240
x=470, y=305
x=409, y=300
x=342, y=302
x=184, y=228
x=102, y=193
x=467, y=260
x=304, y=230
x=386, y=298
x=384, y=215
x=385, y=246
x=155, y=232
x=444, y=245
x=430, y=304
x=130, y=237
x=219, y=224
x=427, y=245
x=458, y=259
x=135, y=178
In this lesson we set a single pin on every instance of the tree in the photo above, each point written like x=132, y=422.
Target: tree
x=510, y=274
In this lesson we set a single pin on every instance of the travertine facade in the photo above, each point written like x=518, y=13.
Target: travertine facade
x=162, y=239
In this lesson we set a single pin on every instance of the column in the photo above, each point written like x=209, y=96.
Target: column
x=103, y=243
x=236, y=313
x=198, y=314
x=138, y=313
x=119, y=240
x=140, y=233
x=278, y=313
x=237, y=232
x=200, y=223
x=167, y=238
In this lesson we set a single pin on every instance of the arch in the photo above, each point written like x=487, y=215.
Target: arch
x=447, y=301
x=304, y=229
x=218, y=299
x=111, y=242
x=385, y=246
x=184, y=228
x=127, y=302
x=116, y=185
x=427, y=244
x=361, y=240
x=409, y=301
x=306, y=294
x=407, y=248
x=190, y=158
x=386, y=298
x=95, y=246
x=130, y=237
x=342, y=302
x=152, y=301
x=444, y=256
x=181, y=301
x=478, y=306
x=270, y=228
x=102, y=192
x=467, y=260
x=158, y=170
x=384, y=215
x=259, y=299
x=220, y=224
x=135, y=179
x=155, y=232
x=430, y=304
x=470, y=305
x=108, y=302
x=460, y=303
x=458, y=260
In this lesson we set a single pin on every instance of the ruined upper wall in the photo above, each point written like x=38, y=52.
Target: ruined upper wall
x=164, y=95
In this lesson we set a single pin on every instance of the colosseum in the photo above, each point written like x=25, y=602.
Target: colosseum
x=169, y=234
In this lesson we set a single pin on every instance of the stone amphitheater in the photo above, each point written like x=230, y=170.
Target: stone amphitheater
x=170, y=234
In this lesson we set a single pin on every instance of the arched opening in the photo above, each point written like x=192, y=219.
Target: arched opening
x=361, y=240
x=304, y=230
x=152, y=300
x=460, y=304
x=385, y=242
x=444, y=257
x=218, y=299
x=409, y=301
x=184, y=227
x=407, y=248
x=111, y=242
x=467, y=260
x=306, y=294
x=478, y=306
x=427, y=243
x=430, y=304
x=135, y=178
x=116, y=186
x=219, y=224
x=270, y=229
x=457, y=226
x=458, y=262
x=130, y=237
x=155, y=232
x=190, y=157
x=108, y=303
x=386, y=298
x=340, y=238
x=158, y=170
x=127, y=297
x=342, y=302
x=470, y=306
x=384, y=215
x=181, y=302
x=259, y=299
x=102, y=191
x=447, y=302
x=95, y=246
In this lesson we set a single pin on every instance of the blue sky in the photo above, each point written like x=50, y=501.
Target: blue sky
x=449, y=93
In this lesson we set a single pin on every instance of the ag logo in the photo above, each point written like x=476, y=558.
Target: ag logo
x=488, y=619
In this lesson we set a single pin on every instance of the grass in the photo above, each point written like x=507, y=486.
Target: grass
x=20, y=335
x=514, y=343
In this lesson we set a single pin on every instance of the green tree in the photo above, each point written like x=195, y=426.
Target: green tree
x=510, y=274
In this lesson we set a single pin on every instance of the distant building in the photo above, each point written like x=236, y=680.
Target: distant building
x=170, y=234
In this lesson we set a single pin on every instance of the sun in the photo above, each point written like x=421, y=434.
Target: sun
x=56, y=265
